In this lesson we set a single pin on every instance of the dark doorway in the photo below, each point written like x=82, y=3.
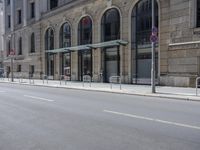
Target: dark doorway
x=85, y=56
x=110, y=25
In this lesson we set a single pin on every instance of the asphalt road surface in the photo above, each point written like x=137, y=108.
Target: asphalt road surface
x=40, y=118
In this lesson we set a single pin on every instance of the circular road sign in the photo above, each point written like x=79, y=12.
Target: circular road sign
x=153, y=38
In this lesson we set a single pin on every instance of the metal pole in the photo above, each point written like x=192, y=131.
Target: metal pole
x=12, y=78
x=153, y=53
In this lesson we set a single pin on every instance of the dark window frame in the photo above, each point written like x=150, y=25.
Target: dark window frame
x=20, y=46
x=8, y=48
x=110, y=25
x=8, y=2
x=32, y=43
x=32, y=10
x=85, y=28
x=19, y=13
x=198, y=14
x=65, y=41
x=19, y=68
x=65, y=35
x=9, y=21
x=49, y=39
x=32, y=69
x=53, y=4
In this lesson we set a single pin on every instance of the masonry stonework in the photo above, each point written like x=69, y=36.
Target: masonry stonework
x=178, y=45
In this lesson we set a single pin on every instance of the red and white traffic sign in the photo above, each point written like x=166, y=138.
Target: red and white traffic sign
x=12, y=52
x=154, y=35
x=153, y=38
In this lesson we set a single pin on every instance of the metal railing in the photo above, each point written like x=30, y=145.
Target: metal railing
x=31, y=79
x=114, y=80
x=2, y=76
x=88, y=79
x=64, y=78
x=197, y=85
x=45, y=77
x=20, y=78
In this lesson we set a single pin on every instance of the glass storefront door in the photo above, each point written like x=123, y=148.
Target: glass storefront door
x=50, y=65
x=85, y=64
x=66, y=64
x=111, y=63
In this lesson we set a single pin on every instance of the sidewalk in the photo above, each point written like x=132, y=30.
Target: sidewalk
x=141, y=90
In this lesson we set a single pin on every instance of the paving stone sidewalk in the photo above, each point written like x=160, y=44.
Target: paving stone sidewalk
x=179, y=93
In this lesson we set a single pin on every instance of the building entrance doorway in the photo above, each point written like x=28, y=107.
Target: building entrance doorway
x=84, y=63
x=50, y=65
x=111, y=63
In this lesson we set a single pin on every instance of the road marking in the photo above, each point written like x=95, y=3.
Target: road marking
x=39, y=98
x=152, y=119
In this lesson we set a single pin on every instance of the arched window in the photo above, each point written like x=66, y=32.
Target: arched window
x=111, y=25
x=65, y=35
x=85, y=56
x=141, y=22
x=85, y=31
x=32, y=43
x=20, y=46
x=65, y=41
x=49, y=39
x=49, y=45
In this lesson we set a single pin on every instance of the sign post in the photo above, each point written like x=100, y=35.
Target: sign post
x=12, y=53
x=153, y=39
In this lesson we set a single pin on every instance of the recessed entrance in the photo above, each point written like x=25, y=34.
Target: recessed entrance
x=111, y=63
x=85, y=63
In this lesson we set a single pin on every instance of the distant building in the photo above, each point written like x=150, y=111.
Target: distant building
x=104, y=38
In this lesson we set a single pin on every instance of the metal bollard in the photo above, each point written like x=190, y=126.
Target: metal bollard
x=197, y=84
x=119, y=81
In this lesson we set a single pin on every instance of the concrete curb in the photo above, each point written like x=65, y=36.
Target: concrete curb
x=156, y=95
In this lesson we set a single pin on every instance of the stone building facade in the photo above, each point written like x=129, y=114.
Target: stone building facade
x=103, y=38
x=1, y=34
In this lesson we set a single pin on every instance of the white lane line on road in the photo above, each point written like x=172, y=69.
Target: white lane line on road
x=152, y=119
x=39, y=98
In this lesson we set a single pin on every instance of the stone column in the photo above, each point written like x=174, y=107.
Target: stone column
x=43, y=5
x=37, y=10
x=25, y=12
x=12, y=14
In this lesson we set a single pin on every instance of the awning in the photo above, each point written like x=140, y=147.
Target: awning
x=89, y=46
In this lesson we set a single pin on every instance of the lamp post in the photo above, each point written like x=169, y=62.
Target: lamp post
x=153, y=86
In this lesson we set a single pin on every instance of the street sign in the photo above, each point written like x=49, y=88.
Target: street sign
x=154, y=30
x=153, y=38
x=12, y=52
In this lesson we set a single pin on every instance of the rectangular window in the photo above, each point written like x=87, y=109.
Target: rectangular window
x=32, y=10
x=198, y=13
x=9, y=21
x=19, y=68
x=9, y=48
x=32, y=69
x=20, y=46
x=19, y=16
x=8, y=2
x=53, y=4
x=8, y=71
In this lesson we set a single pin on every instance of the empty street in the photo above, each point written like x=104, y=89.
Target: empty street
x=39, y=118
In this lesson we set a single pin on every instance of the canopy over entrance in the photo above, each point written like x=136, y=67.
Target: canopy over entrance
x=89, y=46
